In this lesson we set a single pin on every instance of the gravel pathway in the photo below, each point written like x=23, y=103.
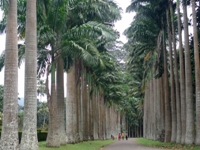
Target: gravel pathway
x=130, y=144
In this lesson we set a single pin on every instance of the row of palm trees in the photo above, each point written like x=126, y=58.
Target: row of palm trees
x=164, y=74
x=9, y=136
x=61, y=35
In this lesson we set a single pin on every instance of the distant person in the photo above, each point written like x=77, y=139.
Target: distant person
x=112, y=137
x=122, y=136
x=126, y=137
x=119, y=136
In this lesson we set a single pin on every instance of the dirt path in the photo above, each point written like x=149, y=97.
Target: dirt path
x=130, y=144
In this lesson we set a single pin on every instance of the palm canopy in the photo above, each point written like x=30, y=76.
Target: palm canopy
x=49, y=21
x=143, y=39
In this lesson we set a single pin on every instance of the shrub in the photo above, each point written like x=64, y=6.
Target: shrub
x=41, y=136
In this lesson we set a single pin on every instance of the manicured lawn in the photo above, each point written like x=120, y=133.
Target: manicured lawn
x=89, y=145
x=158, y=144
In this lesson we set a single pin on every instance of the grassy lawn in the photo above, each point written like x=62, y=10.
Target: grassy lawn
x=89, y=145
x=158, y=144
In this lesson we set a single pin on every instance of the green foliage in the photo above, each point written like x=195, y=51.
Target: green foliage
x=89, y=145
x=20, y=119
x=41, y=135
x=42, y=115
x=158, y=144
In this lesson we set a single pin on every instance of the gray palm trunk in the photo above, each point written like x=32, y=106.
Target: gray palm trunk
x=173, y=99
x=85, y=110
x=9, y=134
x=156, y=120
x=71, y=97
x=178, y=108
x=81, y=110
x=197, y=73
x=167, y=100
x=162, y=109
x=78, y=102
x=145, y=119
x=148, y=110
x=152, y=121
x=29, y=135
x=96, y=116
x=157, y=109
x=91, y=116
x=53, y=136
x=108, y=123
x=189, y=137
x=158, y=93
x=60, y=101
x=99, y=115
x=182, y=78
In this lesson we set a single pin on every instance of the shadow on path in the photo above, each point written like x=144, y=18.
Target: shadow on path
x=130, y=144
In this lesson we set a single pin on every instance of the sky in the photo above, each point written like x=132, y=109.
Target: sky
x=120, y=26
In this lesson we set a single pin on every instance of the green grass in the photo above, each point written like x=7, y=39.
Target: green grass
x=89, y=145
x=158, y=144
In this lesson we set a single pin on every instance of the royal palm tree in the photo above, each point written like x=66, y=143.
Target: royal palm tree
x=182, y=78
x=177, y=89
x=9, y=134
x=29, y=136
x=60, y=99
x=189, y=137
x=172, y=87
x=197, y=72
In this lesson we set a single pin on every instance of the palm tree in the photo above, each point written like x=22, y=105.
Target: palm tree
x=197, y=72
x=189, y=137
x=29, y=136
x=9, y=134
x=182, y=78
x=173, y=99
x=60, y=99
x=70, y=106
x=177, y=89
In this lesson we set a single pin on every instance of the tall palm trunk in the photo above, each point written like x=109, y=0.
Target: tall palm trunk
x=145, y=113
x=71, y=97
x=182, y=78
x=197, y=73
x=81, y=122
x=60, y=100
x=85, y=109
x=148, y=110
x=53, y=136
x=91, y=113
x=9, y=134
x=96, y=108
x=178, y=108
x=152, y=111
x=167, y=99
x=78, y=101
x=155, y=108
x=173, y=99
x=29, y=135
x=189, y=137
x=162, y=109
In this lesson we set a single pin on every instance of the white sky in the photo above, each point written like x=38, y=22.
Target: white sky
x=120, y=26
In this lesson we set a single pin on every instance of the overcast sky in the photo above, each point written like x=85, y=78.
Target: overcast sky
x=120, y=26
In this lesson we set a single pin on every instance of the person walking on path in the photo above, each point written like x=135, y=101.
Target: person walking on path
x=122, y=135
x=126, y=136
x=119, y=137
